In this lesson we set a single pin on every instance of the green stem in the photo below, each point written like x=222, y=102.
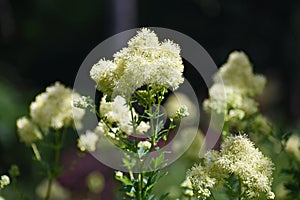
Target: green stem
x=157, y=119
x=49, y=188
x=36, y=152
x=133, y=124
x=52, y=173
x=153, y=134
x=240, y=189
x=140, y=179
x=131, y=174
x=226, y=131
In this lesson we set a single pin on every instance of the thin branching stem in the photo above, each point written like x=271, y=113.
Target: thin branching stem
x=52, y=173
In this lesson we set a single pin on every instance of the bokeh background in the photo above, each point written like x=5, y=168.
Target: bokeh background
x=42, y=41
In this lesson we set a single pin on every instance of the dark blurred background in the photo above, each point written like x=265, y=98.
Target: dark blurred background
x=46, y=40
x=42, y=41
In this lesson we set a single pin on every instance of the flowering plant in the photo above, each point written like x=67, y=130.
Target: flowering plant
x=50, y=114
x=133, y=87
x=129, y=111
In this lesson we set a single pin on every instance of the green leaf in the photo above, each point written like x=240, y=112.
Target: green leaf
x=158, y=161
x=129, y=162
x=153, y=179
x=125, y=180
x=142, y=152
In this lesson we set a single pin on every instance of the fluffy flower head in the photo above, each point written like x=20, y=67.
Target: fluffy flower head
x=119, y=112
x=88, y=141
x=54, y=108
x=4, y=181
x=104, y=74
x=233, y=93
x=238, y=157
x=237, y=73
x=204, y=177
x=144, y=61
x=144, y=144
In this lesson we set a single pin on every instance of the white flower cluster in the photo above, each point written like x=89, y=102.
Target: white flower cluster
x=239, y=157
x=4, y=181
x=233, y=92
x=88, y=141
x=237, y=73
x=207, y=176
x=28, y=131
x=187, y=185
x=145, y=144
x=182, y=112
x=119, y=112
x=144, y=61
x=116, y=120
x=119, y=174
x=176, y=101
x=83, y=102
x=52, y=109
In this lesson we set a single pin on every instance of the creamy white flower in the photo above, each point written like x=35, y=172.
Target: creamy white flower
x=187, y=184
x=112, y=134
x=237, y=73
x=101, y=128
x=144, y=144
x=119, y=174
x=175, y=101
x=202, y=182
x=144, y=61
x=233, y=94
x=207, y=176
x=4, y=181
x=182, y=112
x=104, y=74
x=189, y=192
x=83, y=102
x=142, y=128
x=118, y=112
x=223, y=99
x=54, y=108
x=88, y=141
x=28, y=132
x=238, y=157
x=144, y=40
